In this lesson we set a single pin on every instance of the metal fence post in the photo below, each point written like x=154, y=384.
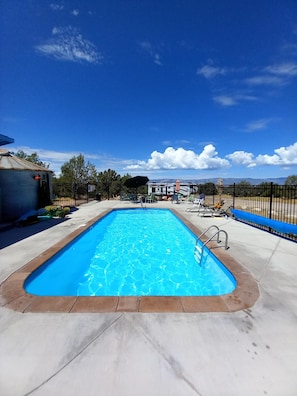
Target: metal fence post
x=271, y=199
x=234, y=186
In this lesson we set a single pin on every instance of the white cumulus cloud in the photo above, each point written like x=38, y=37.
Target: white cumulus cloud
x=282, y=156
x=242, y=158
x=209, y=159
x=182, y=159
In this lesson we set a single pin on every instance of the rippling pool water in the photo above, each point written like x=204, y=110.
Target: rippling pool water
x=132, y=252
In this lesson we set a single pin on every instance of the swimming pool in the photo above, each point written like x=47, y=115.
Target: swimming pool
x=132, y=252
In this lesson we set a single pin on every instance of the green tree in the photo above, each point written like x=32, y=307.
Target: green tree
x=207, y=188
x=291, y=180
x=243, y=189
x=290, y=187
x=264, y=189
x=34, y=158
x=109, y=183
x=124, y=188
x=78, y=171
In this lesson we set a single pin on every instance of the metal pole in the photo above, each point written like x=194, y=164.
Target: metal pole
x=270, y=201
x=234, y=185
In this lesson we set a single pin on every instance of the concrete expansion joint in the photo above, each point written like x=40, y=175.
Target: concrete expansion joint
x=82, y=350
x=174, y=365
x=268, y=264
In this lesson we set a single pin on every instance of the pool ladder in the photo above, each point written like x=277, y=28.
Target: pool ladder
x=198, y=251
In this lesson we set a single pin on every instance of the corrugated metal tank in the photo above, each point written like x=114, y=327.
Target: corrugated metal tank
x=23, y=186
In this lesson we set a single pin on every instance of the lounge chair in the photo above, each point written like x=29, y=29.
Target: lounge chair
x=219, y=209
x=196, y=206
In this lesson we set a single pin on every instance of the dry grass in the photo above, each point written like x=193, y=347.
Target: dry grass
x=64, y=202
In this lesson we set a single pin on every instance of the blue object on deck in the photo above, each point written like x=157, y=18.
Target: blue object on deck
x=279, y=226
x=27, y=215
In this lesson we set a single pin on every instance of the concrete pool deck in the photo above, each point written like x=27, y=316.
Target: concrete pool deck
x=249, y=352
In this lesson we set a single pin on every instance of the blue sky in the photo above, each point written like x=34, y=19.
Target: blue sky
x=185, y=89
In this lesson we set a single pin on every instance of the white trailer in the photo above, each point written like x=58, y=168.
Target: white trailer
x=169, y=189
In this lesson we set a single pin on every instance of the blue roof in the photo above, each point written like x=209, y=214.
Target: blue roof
x=5, y=140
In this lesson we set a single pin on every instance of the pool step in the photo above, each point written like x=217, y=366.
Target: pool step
x=198, y=251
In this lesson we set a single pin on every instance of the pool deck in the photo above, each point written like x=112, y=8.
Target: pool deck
x=252, y=351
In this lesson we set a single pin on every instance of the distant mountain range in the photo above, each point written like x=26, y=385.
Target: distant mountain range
x=227, y=181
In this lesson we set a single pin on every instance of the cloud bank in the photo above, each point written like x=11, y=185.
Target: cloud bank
x=208, y=159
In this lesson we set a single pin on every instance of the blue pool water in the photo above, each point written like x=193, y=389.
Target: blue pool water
x=132, y=252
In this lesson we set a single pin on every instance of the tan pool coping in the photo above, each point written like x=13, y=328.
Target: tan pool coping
x=14, y=296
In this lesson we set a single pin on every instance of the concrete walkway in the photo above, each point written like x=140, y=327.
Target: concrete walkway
x=250, y=352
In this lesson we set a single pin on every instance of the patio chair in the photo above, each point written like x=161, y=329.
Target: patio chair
x=196, y=206
x=219, y=209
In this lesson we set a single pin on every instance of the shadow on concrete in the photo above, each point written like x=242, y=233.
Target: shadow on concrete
x=13, y=234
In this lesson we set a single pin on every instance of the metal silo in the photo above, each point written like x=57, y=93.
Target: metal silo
x=24, y=186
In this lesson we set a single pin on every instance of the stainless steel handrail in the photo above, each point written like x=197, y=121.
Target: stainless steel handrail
x=217, y=234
